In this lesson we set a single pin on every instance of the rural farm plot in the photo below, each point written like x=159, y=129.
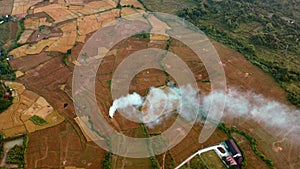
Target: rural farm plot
x=35, y=22
x=32, y=49
x=30, y=61
x=6, y=7
x=47, y=79
x=68, y=39
x=95, y=7
x=25, y=36
x=57, y=12
x=26, y=105
x=135, y=3
x=128, y=11
x=20, y=7
x=46, y=75
x=62, y=146
x=88, y=24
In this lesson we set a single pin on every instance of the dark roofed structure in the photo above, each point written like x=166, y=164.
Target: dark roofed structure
x=235, y=151
x=232, y=147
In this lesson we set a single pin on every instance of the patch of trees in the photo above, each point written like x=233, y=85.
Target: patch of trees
x=259, y=31
x=5, y=102
x=107, y=162
x=16, y=156
x=6, y=71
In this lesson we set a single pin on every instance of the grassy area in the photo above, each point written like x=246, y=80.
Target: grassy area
x=265, y=33
x=38, y=120
x=167, y=6
x=259, y=31
x=4, y=32
x=195, y=163
x=212, y=160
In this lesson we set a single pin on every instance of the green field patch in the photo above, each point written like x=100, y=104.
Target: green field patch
x=38, y=120
x=212, y=160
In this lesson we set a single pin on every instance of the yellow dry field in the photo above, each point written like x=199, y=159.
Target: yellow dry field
x=128, y=11
x=95, y=7
x=88, y=24
x=131, y=2
x=21, y=6
x=34, y=23
x=16, y=119
x=57, y=12
x=25, y=35
x=53, y=119
x=40, y=108
x=92, y=23
x=60, y=15
x=67, y=40
x=75, y=2
x=15, y=131
x=70, y=167
x=81, y=38
x=48, y=7
x=32, y=49
x=19, y=74
x=159, y=29
x=108, y=17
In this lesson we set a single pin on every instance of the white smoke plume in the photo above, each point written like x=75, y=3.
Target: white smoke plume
x=160, y=103
x=185, y=100
x=276, y=117
x=126, y=101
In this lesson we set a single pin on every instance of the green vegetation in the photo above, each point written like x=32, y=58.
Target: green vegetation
x=170, y=162
x=153, y=160
x=259, y=30
x=6, y=71
x=212, y=160
x=16, y=155
x=251, y=140
x=197, y=163
x=21, y=29
x=142, y=35
x=107, y=162
x=4, y=102
x=66, y=55
x=38, y=120
x=4, y=32
x=167, y=6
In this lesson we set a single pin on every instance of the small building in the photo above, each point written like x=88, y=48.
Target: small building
x=235, y=152
x=7, y=95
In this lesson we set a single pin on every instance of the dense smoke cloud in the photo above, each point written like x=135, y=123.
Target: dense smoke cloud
x=187, y=103
x=124, y=102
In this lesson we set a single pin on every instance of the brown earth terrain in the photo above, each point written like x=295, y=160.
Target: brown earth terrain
x=6, y=7
x=46, y=74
